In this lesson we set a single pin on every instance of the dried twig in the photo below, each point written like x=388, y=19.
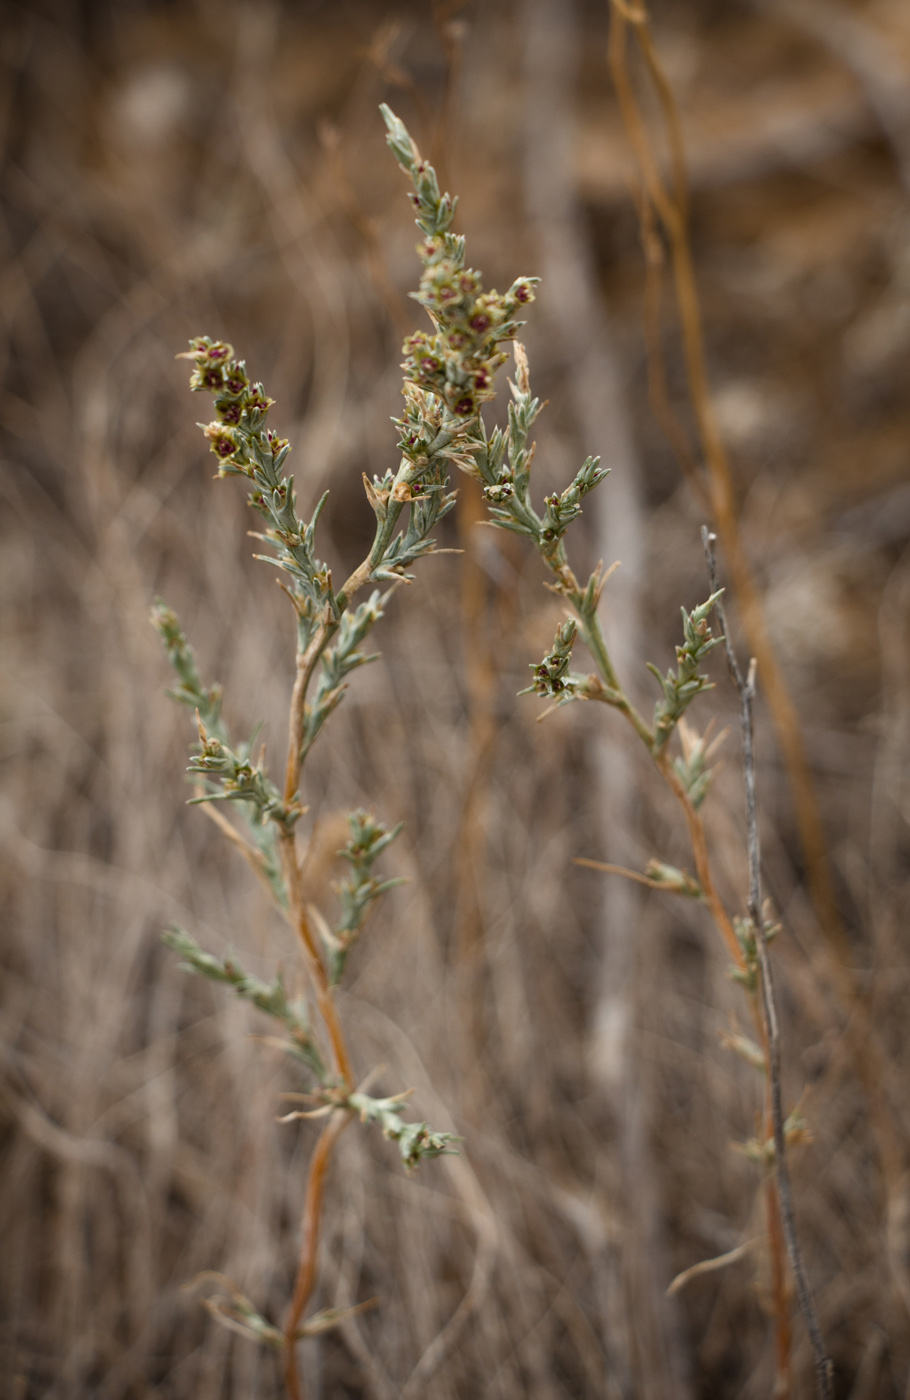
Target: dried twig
x=746, y=688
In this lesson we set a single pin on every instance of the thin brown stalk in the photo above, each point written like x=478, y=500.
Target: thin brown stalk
x=315, y=966
x=658, y=394
x=306, y=665
x=710, y=1266
x=781, y=1292
x=672, y=210
x=250, y=854
x=870, y=1061
x=699, y=843
x=312, y=1218
x=724, y=925
x=634, y=875
x=450, y=32
x=746, y=689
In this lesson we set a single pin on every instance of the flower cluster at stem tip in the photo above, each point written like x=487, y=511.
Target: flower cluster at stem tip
x=218, y=373
x=458, y=361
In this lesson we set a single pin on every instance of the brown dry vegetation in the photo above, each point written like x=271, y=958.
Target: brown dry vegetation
x=175, y=169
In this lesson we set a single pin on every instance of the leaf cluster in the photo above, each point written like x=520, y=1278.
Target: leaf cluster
x=269, y=997
x=750, y=972
x=416, y=1141
x=680, y=688
x=235, y=777
x=358, y=892
x=337, y=663
x=206, y=702
x=502, y=463
x=551, y=675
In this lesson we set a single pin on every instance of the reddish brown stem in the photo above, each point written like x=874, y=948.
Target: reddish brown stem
x=702, y=860
x=780, y=1287
x=306, y=664
x=309, y=1250
x=303, y=927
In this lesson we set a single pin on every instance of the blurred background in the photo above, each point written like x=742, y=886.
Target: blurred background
x=175, y=169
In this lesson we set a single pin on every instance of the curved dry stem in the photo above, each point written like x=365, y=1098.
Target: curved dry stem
x=672, y=210
x=633, y=875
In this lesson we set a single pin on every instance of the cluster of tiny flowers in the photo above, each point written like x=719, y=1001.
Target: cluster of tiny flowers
x=548, y=681
x=218, y=373
x=551, y=675
x=459, y=362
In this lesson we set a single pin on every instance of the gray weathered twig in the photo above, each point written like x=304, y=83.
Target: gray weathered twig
x=746, y=688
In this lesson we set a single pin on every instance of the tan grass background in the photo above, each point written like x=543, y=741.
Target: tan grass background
x=171, y=169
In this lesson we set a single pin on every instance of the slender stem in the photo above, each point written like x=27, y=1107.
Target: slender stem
x=307, y=660
x=315, y=1191
x=699, y=843
x=312, y=1217
x=315, y=966
x=615, y=696
x=634, y=875
x=254, y=858
x=781, y=1292
x=306, y=664
x=746, y=689
x=596, y=643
